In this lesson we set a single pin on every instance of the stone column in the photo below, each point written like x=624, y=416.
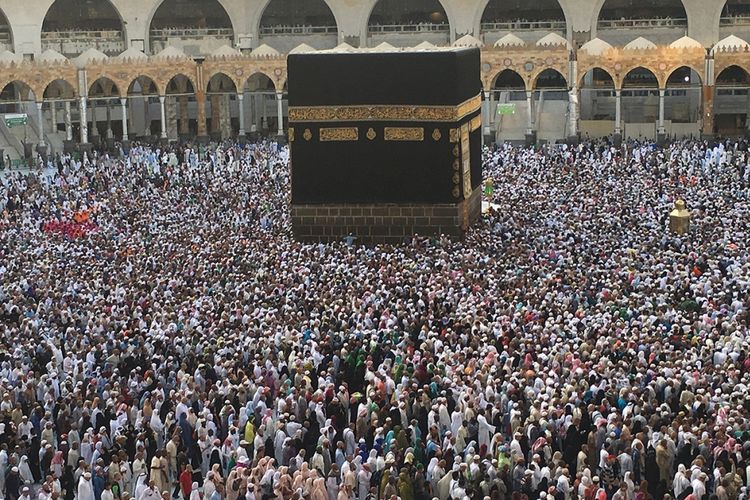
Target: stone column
x=215, y=114
x=280, y=113
x=225, y=117
x=708, y=106
x=94, y=128
x=184, y=116
x=262, y=106
x=200, y=100
x=241, y=102
x=253, y=113
x=530, y=133
x=172, y=121
x=53, y=115
x=68, y=122
x=124, y=108
x=661, y=131
x=39, y=117
x=146, y=117
x=573, y=114
x=108, y=133
x=487, y=108
x=618, y=112
x=84, y=122
x=162, y=100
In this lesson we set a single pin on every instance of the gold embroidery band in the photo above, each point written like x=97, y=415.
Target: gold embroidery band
x=403, y=134
x=384, y=112
x=475, y=123
x=291, y=135
x=339, y=134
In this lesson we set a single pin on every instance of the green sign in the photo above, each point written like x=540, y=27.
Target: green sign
x=16, y=119
x=506, y=109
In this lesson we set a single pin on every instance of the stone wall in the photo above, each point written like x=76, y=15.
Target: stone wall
x=383, y=223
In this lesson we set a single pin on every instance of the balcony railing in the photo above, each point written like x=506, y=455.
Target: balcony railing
x=524, y=26
x=605, y=24
x=81, y=35
x=298, y=30
x=165, y=33
x=735, y=21
x=73, y=42
x=409, y=28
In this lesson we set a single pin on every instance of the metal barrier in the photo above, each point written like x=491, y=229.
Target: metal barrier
x=641, y=23
x=298, y=30
x=524, y=26
x=409, y=28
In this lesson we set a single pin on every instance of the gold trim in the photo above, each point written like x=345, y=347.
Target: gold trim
x=475, y=123
x=466, y=159
x=339, y=134
x=403, y=134
x=307, y=134
x=371, y=133
x=381, y=112
x=454, y=136
x=436, y=135
x=290, y=133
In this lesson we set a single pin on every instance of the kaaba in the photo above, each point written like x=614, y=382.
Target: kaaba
x=384, y=145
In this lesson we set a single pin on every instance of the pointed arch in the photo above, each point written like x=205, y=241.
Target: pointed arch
x=550, y=79
x=544, y=15
x=221, y=83
x=185, y=22
x=640, y=78
x=295, y=14
x=180, y=84
x=72, y=26
x=145, y=86
x=613, y=14
x=6, y=32
x=104, y=87
x=60, y=90
x=732, y=76
x=598, y=77
x=259, y=82
x=508, y=79
x=407, y=12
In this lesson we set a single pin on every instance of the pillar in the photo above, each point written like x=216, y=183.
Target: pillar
x=124, y=108
x=94, y=128
x=108, y=133
x=262, y=106
x=708, y=106
x=215, y=114
x=146, y=117
x=573, y=115
x=241, y=102
x=661, y=131
x=200, y=100
x=68, y=122
x=162, y=101
x=84, y=122
x=280, y=113
x=530, y=134
x=53, y=115
x=618, y=112
x=184, y=116
x=486, y=111
x=39, y=105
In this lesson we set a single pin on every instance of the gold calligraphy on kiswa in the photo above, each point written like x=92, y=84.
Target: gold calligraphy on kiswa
x=339, y=134
x=403, y=134
x=381, y=112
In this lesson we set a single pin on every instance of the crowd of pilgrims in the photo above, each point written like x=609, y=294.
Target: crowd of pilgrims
x=185, y=346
